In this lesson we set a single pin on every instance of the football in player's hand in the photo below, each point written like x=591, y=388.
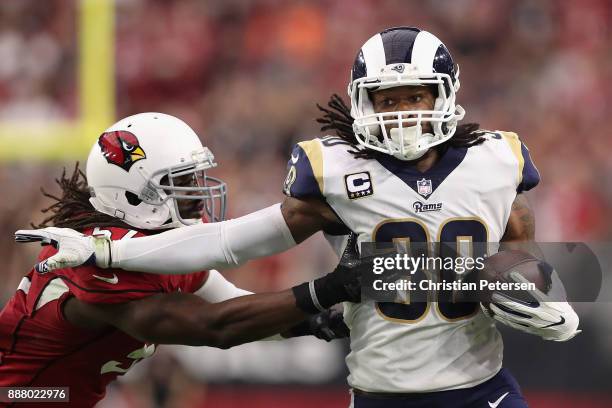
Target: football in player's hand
x=497, y=268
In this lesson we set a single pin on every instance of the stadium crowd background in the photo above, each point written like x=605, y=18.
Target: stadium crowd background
x=246, y=75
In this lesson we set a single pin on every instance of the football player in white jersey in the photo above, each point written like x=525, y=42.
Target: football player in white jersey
x=399, y=166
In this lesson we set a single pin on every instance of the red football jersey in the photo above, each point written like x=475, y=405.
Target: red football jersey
x=40, y=348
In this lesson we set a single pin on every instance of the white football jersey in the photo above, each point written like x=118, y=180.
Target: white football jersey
x=467, y=195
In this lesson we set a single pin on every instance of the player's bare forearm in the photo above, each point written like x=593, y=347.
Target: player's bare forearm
x=306, y=216
x=521, y=223
x=520, y=229
x=254, y=317
x=180, y=318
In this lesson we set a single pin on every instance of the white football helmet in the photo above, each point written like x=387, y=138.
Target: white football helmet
x=149, y=170
x=404, y=56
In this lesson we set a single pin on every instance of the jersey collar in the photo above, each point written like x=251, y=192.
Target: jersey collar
x=431, y=179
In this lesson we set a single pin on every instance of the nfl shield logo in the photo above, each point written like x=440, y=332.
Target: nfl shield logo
x=424, y=187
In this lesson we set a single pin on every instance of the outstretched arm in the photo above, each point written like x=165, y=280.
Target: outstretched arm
x=206, y=246
x=327, y=325
x=194, y=248
x=181, y=318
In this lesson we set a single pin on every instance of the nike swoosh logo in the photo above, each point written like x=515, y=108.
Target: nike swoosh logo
x=113, y=281
x=556, y=324
x=496, y=403
x=295, y=158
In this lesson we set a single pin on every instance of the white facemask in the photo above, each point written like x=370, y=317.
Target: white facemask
x=408, y=140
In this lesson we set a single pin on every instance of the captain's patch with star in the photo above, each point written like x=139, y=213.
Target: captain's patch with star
x=358, y=185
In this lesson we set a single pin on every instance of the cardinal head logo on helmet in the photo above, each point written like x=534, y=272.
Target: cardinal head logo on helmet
x=121, y=148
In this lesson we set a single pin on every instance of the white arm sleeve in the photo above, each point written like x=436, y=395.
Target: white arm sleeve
x=206, y=246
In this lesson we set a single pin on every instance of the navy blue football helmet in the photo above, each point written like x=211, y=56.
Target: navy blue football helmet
x=404, y=56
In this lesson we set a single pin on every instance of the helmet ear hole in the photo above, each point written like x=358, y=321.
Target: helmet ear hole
x=132, y=198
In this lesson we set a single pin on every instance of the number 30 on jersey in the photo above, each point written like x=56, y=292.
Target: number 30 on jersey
x=454, y=230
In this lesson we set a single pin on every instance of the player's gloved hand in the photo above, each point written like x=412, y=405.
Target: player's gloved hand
x=548, y=317
x=327, y=325
x=74, y=248
x=341, y=285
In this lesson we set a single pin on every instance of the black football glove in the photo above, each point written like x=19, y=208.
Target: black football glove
x=341, y=285
x=327, y=325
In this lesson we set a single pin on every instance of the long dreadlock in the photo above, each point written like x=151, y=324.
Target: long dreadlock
x=72, y=209
x=337, y=117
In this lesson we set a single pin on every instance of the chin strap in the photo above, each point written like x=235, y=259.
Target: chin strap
x=409, y=137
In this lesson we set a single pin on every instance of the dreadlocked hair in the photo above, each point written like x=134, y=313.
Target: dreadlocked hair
x=337, y=117
x=72, y=209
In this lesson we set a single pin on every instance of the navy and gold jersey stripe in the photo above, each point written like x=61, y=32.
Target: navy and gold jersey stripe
x=305, y=171
x=529, y=177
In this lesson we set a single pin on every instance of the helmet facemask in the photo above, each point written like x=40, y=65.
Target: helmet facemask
x=188, y=192
x=406, y=139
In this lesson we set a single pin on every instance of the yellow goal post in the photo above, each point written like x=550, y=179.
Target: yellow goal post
x=71, y=139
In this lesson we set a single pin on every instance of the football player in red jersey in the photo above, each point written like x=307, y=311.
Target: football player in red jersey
x=82, y=327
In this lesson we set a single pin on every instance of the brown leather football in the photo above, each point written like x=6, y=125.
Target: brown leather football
x=497, y=268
